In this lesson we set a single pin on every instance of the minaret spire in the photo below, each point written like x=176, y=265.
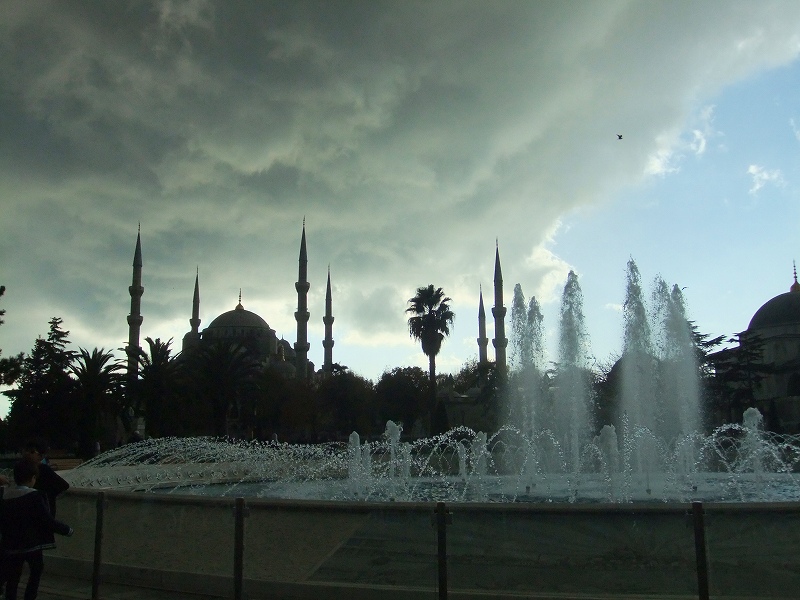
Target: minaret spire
x=795, y=286
x=301, y=316
x=192, y=338
x=195, y=320
x=483, y=341
x=135, y=317
x=499, y=312
x=327, y=343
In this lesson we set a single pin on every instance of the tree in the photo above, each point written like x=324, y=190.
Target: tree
x=220, y=374
x=99, y=398
x=429, y=324
x=402, y=395
x=705, y=345
x=301, y=418
x=43, y=402
x=155, y=392
x=607, y=391
x=273, y=392
x=738, y=373
x=350, y=400
x=10, y=370
x=490, y=385
x=11, y=367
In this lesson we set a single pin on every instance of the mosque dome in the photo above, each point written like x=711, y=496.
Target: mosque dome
x=780, y=311
x=238, y=324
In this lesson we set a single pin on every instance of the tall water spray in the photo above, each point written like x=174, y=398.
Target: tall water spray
x=679, y=392
x=534, y=380
x=659, y=406
x=638, y=360
x=525, y=407
x=518, y=410
x=572, y=412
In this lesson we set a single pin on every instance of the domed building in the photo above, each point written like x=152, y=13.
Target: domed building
x=773, y=338
x=239, y=323
x=243, y=326
x=251, y=331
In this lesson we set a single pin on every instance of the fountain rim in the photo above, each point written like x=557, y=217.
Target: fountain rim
x=655, y=507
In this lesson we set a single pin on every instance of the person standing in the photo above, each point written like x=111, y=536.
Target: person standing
x=48, y=482
x=27, y=528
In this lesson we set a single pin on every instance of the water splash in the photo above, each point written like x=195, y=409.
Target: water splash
x=734, y=463
x=572, y=398
x=638, y=360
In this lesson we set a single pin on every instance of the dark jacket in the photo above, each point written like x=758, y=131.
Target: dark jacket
x=26, y=523
x=51, y=484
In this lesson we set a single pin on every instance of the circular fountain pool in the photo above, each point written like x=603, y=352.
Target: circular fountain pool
x=733, y=464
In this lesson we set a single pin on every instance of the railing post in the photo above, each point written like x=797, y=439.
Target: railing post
x=239, y=512
x=700, y=550
x=98, y=544
x=443, y=518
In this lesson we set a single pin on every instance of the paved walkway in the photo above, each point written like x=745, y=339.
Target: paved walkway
x=56, y=587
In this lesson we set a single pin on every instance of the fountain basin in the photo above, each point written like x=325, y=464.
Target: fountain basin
x=350, y=520
x=310, y=549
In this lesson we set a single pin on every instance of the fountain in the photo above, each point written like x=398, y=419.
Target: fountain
x=653, y=451
x=744, y=464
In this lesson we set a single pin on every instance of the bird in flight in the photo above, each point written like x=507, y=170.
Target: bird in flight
x=619, y=136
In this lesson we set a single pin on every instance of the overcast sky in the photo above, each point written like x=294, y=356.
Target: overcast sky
x=411, y=136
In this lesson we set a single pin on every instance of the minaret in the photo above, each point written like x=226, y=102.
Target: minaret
x=301, y=316
x=194, y=322
x=483, y=341
x=135, y=318
x=192, y=338
x=499, y=311
x=327, y=343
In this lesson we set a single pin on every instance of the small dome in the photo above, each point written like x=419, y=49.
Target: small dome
x=780, y=311
x=240, y=318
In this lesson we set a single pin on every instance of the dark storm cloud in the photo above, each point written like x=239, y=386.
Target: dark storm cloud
x=409, y=134
x=278, y=179
x=32, y=148
x=65, y=107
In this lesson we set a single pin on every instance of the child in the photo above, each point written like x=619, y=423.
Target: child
x=27, y=528
x=50, y=483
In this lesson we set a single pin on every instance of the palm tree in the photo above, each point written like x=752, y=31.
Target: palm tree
x=99, y=388
x=429, y=325
x=223, y=375
x=158, y=371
